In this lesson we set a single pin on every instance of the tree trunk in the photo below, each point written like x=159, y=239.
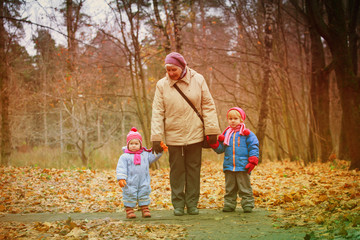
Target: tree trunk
x=289, y=129
x=136, y=69
x=276, y=131
x=264, y=109
x=350, y=102
x=343, y=145
x=4, y=93
x=320, y=101
x=177, y=27
x=45, y=104
x=293, y=121
x=335, y=32
x=139, y=84
x=162, y=27
x=61, y=130
x=71, y=31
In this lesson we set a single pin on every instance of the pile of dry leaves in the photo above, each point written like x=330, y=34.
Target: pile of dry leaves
x=319, y=195
x=90, y=229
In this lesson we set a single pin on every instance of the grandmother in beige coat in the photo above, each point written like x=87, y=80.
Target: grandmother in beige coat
x=175, y=122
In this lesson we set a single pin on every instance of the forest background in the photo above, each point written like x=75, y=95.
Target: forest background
x=291, y=65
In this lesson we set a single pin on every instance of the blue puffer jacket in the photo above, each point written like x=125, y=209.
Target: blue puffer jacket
x=245, y=146
x=137, y=177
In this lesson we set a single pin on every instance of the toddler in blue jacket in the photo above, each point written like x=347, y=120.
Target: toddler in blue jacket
x=241, y=148
x=132, y=172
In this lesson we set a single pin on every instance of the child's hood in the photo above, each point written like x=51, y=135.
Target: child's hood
x=125, y=147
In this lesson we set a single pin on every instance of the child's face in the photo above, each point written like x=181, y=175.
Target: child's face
x=134, y=145
x=234, y=121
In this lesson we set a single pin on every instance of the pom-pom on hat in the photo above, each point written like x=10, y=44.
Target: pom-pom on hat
x=176, y=59
x=242, y=113
x=133, y=134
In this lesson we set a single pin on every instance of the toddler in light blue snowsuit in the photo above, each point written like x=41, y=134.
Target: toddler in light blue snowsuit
x=132, y=172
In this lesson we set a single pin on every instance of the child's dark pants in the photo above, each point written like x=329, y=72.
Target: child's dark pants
x=238, y=183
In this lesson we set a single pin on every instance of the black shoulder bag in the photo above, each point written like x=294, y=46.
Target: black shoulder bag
x=205, y=143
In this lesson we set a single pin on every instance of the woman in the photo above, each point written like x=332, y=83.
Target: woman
x=175, y=122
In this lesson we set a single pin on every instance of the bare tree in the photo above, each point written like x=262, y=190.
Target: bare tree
x=7, y=11
x=319, y=95
x=264, y=109
x=45, y=46
x=175, y=16
x=336, y=34
x=129, y=18
x=162, y=27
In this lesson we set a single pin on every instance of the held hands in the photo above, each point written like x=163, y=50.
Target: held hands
x=122, y=183
x=253, y=161
x=211, y=139
x=156, y=147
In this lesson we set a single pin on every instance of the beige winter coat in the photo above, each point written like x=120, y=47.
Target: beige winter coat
x=173, y=120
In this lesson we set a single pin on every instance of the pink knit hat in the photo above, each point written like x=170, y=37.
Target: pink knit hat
x=242, y=113
x=133, y=134
x=176, y=59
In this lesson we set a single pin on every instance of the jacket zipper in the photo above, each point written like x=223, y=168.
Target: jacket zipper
x=234, y=137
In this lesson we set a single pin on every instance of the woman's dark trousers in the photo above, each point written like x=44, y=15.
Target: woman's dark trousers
x=185, y=165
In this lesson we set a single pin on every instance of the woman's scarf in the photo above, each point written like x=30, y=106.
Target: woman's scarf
x=239, y=128
x=183, y=73
x=137, y=157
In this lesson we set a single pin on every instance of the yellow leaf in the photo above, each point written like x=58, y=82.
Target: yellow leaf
x=320, y=219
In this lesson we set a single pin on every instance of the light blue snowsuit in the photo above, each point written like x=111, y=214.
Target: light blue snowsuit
x=137, y=189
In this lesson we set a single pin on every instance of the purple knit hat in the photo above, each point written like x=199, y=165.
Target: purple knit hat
x=176, y=59
x=242, y=113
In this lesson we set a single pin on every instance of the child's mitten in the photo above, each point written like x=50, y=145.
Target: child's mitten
x=212, y=145
x=246, y=132
x=253, y=161
x=122, y=182
x=221, y=138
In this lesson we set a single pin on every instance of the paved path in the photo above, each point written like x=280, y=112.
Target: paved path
x=209, y=224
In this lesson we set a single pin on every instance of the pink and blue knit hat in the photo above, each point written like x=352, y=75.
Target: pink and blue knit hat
x=242, y=112
x=133, y=134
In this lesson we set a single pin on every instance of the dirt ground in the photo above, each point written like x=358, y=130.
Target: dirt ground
x=209, y=224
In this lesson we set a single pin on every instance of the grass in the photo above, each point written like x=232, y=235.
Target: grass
x=46, y=157
x=104, y=158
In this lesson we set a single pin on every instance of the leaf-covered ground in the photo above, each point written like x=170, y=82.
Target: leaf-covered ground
x=323, y=197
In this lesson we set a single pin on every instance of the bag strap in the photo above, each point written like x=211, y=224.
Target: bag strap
x=189, y=102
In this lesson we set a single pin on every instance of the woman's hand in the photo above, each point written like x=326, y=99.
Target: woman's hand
x=156, y=147
x=212, y=139
x=214, y=144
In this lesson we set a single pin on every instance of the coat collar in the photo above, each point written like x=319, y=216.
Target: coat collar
x=185, y=79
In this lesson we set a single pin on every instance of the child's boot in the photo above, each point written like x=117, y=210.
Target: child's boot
x=130, y=212
x=145, y=212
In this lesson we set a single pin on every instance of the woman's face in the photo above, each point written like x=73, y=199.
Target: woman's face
x=134, y=145
x=173, y=72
